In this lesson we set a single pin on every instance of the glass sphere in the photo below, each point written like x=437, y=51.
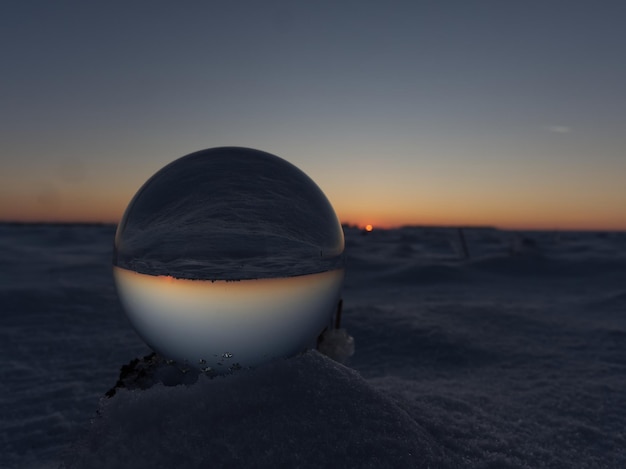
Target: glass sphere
x=229, y=257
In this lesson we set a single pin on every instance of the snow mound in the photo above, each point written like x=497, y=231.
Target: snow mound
x=307, y=411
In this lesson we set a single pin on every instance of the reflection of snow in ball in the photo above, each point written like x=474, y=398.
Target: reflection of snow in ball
x=229, y=257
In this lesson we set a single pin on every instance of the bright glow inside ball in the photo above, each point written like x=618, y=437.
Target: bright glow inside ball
x=227, y=258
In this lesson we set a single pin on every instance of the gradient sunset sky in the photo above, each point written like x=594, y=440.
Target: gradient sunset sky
x=504, y=113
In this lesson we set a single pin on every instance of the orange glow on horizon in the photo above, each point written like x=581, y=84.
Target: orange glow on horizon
x=524, y=213
x=541, y=221
x=513, y=214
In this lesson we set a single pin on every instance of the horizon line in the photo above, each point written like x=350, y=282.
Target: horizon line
x=346, y=225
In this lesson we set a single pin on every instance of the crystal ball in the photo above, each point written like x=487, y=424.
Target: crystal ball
x=227, y=258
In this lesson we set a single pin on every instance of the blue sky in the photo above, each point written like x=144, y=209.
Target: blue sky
x=445, y=112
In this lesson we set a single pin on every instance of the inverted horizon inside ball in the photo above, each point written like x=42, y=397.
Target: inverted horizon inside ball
x=229, y=257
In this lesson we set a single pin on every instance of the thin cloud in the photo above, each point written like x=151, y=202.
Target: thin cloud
x=559, y=129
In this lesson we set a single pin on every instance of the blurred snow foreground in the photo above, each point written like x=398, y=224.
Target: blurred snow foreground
x=306, y=411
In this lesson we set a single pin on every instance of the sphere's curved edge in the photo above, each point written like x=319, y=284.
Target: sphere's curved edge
x=200, y=230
